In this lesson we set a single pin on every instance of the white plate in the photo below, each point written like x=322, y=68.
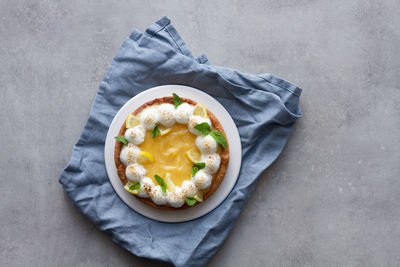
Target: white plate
x=235, y=154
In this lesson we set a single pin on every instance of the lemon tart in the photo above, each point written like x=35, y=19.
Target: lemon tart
x=171, y=153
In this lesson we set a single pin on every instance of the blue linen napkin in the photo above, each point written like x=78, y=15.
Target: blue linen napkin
x=263, y=107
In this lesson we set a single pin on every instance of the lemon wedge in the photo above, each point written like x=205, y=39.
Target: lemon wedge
x=170, y=184
x=198, y=196
x=133, y=188
x=145, y=157
x=194, y=155
x=132, y=121
x=200, y=110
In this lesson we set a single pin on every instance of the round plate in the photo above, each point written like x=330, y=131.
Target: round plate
x=235, y=154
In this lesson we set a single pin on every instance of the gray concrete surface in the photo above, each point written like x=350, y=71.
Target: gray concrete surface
x=331, y=199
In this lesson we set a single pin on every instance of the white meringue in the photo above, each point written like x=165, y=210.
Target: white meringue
x=202, y=180
x=183, y=112
x=167, y=114
x=188, y=188
x=176, y=199
x=135, y=135
x=129, y=154
x=135, y=172
x=195, y=120
x=146, y=186
x=149, y=117
x=206, y=144
x=158, y=196
x=212, y=162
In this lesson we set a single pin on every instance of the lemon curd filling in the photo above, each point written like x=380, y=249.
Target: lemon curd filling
x=169, y=153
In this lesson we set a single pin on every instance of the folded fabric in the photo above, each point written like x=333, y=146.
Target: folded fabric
x=263, y=107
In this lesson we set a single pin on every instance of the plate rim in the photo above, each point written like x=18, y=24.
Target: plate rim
x=235, y=155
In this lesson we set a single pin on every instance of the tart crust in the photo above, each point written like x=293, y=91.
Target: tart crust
x=217, y=177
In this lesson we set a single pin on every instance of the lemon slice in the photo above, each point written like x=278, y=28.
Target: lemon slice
x=128, y=187
x=199, y=196
x=200, y=110
x=194, y=155
x=132, y=121
x=164, y=131
x=145, y=157
x=170, y=184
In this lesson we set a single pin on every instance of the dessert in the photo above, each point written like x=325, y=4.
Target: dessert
x=171, y=153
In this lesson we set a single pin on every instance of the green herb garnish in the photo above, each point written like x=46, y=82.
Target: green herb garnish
x=197, y=166
x=155, y=131
x=177, y=100
x=161, y=182
x=219, y=137
x=203, y=128
x=134, y=186
x=190, y=201
x=122, y=139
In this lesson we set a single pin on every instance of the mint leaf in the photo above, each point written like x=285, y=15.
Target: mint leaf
x=190, y=201
x=200, y=165
x=135, y=186
x=195, y=169
x=197, y=166
x=161, y=182
x=219, y=137
x=177, y=100
x=122, y=139
x=203, y=128
x=155, y=131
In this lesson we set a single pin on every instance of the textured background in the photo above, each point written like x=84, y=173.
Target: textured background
x=332, y=198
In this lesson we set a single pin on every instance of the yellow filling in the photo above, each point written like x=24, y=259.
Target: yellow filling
x=169, y=153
